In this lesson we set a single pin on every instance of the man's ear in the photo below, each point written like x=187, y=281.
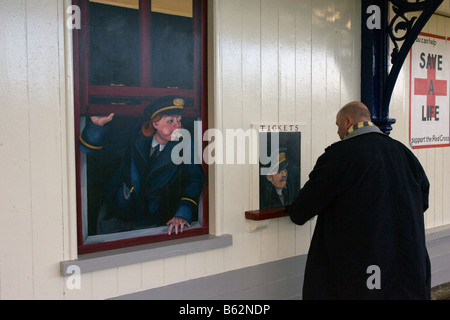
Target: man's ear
x=348, y=121
x=269, y=177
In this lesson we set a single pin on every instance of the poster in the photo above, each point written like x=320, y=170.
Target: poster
x=279, y=167
x=429, y=93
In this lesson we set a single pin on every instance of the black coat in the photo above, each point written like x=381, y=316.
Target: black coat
x=370, y=193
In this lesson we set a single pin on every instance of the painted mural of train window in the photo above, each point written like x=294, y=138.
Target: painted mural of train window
x=139, y=79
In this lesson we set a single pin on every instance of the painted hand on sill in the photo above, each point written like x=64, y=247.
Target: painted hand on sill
x=176, y=223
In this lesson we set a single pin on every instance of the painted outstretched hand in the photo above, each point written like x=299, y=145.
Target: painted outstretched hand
x=102, y=120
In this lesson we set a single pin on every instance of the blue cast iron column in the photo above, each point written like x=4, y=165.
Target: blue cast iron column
x=380, y=66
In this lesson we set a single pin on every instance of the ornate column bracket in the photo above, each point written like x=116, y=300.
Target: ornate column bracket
x=377, y=82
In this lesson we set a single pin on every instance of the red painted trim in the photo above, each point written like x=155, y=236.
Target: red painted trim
x=145, y=43
x=204, y=100
x=92, y=248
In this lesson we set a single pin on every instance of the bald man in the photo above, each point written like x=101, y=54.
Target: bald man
x=369, y=193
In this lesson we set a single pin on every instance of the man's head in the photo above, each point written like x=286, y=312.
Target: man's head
x=349, y=115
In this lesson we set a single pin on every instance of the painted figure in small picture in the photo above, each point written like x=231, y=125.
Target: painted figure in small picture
x=148, y=189
x=281, y=185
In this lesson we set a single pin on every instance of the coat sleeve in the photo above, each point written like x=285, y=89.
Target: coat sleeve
x=190, y=199
x=107, y=140
x=319, y=191
x=93, y=137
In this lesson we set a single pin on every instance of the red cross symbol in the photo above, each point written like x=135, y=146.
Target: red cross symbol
x=430, y=87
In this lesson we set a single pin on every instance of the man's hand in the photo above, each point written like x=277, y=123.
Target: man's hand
x=176, y=223
x=101, y=121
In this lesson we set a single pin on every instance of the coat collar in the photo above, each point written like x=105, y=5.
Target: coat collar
x=362, y=128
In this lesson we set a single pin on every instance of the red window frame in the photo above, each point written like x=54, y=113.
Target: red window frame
x=83, y=90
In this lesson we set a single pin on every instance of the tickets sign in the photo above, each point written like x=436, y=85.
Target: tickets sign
x=429, y=93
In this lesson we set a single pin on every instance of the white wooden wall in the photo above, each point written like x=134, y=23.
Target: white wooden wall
x=281, y=61
x=292, y=61
x=33, y=168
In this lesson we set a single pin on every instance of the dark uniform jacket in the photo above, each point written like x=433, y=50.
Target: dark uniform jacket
x=142, y=194
x=369, y=194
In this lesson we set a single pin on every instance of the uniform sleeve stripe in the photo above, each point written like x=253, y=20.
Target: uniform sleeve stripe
x=88, y=145
x=187, y=199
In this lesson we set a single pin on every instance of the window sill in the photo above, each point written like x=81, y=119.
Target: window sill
x=145, y=253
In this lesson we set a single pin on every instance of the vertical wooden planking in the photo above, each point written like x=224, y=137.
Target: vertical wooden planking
x=303, y=78
x=270, y=96
x=104, y=284
x=195, y=265
x=422, y=156
x=318, y=82
x=82, y=293
x=152, y=274
x=439, y=152
x=269, y=60
x=232, y=115
x=303, y=82
x=174, y=270
x=286, y=238
x=319, y=78
x=251, y=99
x=287, y=105
x=214, y=262
x=251, y=62
x=446, y=156
x=129, y=279
x=45, y=144
x=16, y=271
x=333, y=69
x=349, y=53
x=399, y=108
x=287, y=61
x=270, y=242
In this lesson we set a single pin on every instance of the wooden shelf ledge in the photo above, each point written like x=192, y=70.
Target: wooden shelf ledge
x=266, y=214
